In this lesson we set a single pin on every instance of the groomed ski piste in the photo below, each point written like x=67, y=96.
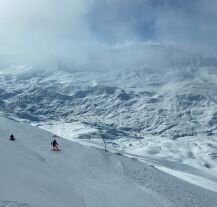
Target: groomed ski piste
x=31, y=175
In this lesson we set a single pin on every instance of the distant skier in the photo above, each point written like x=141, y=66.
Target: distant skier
x=12, y=138
x=55, y=145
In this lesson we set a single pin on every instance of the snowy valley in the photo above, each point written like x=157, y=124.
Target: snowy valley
x=168, y=114
x=165, y=120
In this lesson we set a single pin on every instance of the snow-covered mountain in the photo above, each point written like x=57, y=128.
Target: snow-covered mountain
x=162, y=113
x=176, y=103
x=32, y=175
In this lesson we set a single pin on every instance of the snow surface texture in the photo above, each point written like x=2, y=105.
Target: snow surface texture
x=32, y=175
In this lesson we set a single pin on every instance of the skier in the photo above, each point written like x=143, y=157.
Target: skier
x=12, y=138
x=55, y=145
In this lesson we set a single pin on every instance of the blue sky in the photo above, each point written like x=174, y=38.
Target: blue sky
x=187, y=22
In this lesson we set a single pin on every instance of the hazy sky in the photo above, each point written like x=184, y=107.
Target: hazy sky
x=98, y=33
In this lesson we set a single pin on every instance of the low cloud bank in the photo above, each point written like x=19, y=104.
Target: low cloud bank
x=106, y=35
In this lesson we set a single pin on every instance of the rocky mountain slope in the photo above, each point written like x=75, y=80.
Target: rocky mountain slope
x=144, y=107
x=177, y=103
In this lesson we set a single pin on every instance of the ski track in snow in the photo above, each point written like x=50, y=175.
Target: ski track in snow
x=187, y=170
x=83, y=176
x=5, y=203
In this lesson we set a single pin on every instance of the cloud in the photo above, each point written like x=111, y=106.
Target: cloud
x=41, y=25
x=105, y=34
x=190, y=24
x=171, y=22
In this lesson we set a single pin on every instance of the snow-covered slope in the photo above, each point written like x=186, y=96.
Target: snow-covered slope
x=166, y=113
x=32, y=175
